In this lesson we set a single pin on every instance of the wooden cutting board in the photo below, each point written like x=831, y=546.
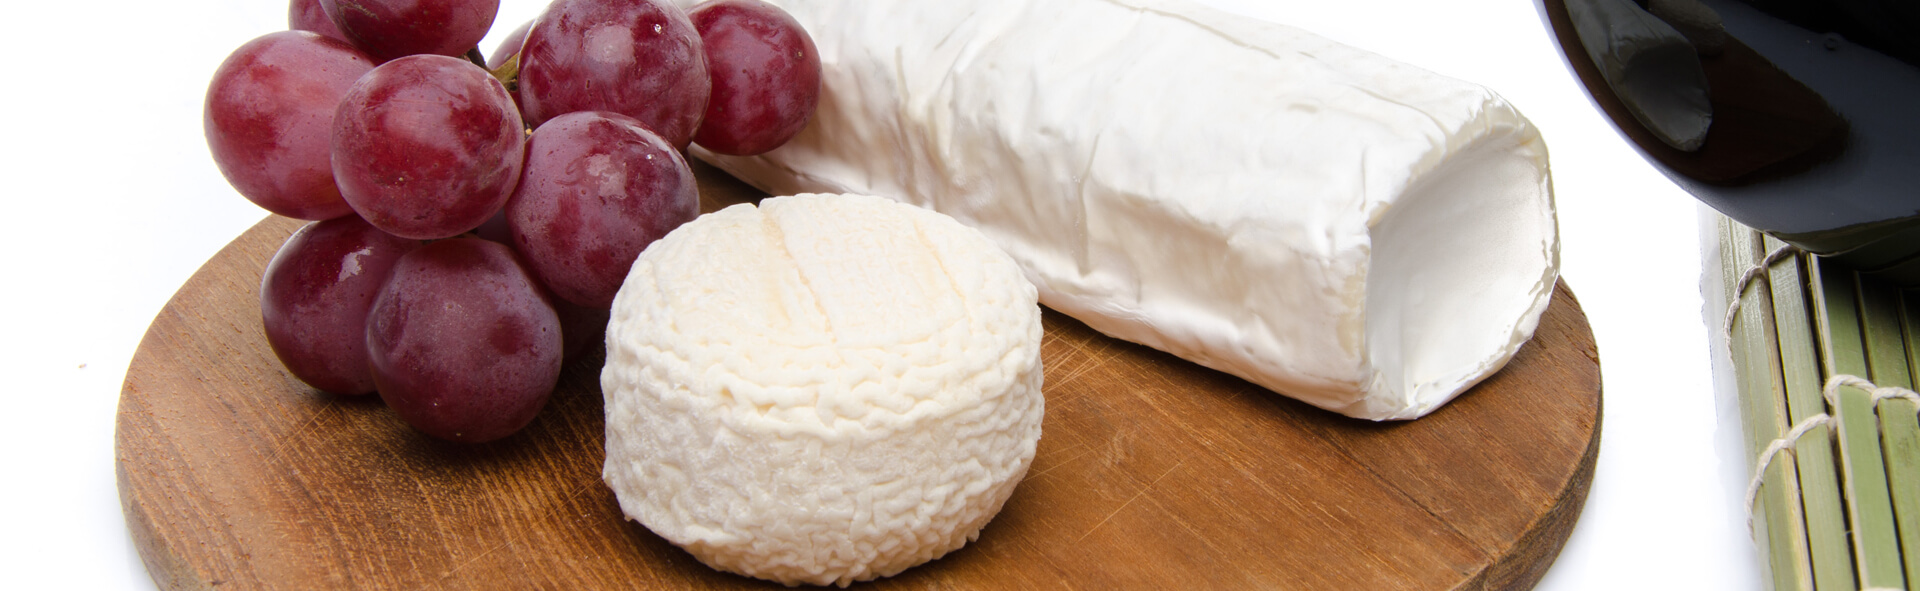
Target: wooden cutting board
x=1152, y=473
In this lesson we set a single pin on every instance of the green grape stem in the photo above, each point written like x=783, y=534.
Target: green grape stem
x=508, y=73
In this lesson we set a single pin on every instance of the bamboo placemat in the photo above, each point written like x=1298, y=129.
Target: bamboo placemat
x=1824, y=362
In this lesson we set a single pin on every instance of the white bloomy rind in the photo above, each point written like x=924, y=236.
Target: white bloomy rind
x=821, y=389
x=1338, y=227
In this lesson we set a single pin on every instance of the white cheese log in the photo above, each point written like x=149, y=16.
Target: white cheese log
x=1359, y=234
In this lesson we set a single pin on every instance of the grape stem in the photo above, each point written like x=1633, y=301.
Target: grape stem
x=508, y=73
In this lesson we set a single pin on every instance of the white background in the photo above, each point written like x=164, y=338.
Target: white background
x=113, y=202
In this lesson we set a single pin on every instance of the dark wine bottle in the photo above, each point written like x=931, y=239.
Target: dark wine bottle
x=1810, y=111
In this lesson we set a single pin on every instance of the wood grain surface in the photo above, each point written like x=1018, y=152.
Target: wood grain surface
x=1152, y=473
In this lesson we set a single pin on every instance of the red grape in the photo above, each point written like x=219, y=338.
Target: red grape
x=597, y=189
x=509, y=45
x=307, y=15
x=639, y=58
x=314, y=298
x=427, y=146
x=464, y=344
x=389, y=29
x=268, y=114
x=580, y=327
x=766, y=76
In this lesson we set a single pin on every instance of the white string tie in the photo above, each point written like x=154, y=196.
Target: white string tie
x=1753, y=273
x=1831, y=392
x=1783, y=444
x=1879, y=393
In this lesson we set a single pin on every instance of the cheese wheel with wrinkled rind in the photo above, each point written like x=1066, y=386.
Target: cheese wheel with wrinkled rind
x=821, y=389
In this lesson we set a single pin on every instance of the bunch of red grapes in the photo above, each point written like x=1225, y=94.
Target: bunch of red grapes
x=472, y=220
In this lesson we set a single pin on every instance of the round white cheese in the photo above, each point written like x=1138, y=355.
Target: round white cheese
x=822, y=389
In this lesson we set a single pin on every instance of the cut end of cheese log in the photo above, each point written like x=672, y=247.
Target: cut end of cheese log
x=1357, y=233
x=1463, y=265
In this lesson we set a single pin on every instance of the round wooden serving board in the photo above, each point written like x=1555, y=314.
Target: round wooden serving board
x=1152, y=473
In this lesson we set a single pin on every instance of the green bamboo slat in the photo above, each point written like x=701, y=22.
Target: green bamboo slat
x=1900, y=441
x=1820, y=497
x=1876, y=548
x=1778, y=522
x=1880, y=326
